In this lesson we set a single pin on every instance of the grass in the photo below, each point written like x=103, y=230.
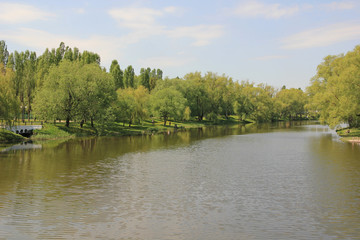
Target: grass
x=51, y=131
x=58, y=130
x=349, y=134
x=7, y=136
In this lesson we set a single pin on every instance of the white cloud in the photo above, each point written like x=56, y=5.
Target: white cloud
x=106, y=46
x=20, y=13
x=79, y=10
x=170, y=9
x=202, y=34
x=323, y=36
x=343, y=5
x=136, y=18
x=270, y=57
x=269, y=11
x=142, y=23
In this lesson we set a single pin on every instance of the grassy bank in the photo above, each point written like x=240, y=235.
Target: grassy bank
x=10, y=137
x=51, y=131
x=349, y=134
x=58, y=130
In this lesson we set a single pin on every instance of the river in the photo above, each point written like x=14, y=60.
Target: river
x=272, y=181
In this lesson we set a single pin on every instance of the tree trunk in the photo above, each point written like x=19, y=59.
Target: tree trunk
x=29, y=107
x=350, y=122
x=67, y=122
x=22, y=108
x=82, y=123
x=92, y=122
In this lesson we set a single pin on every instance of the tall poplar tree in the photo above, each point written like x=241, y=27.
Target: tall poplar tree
x=129, y=77
x=117, y=74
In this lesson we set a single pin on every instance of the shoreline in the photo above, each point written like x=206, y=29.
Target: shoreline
x=351, y=135
x=58, y=131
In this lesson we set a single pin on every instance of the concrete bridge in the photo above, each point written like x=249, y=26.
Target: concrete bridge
x=24, y=130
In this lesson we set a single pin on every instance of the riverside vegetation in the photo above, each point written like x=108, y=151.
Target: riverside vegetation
x=69, y=85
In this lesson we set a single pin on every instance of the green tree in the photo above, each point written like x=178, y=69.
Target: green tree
x=145, y=77
x=44, y=63
x=96, y=94
x=117, y=74
x=335, y=89
x=89, y=57
x=125, y=106
x=4, y=54
x=291, y=103
x=141, y=95
x=73, y=90
x=132, y=104
x=19, y=62
x=168, y=103
x=197, y=95
x=129, y=77
x=29, y=79
x=243, y=105
x=59, y=97
x=9, y=103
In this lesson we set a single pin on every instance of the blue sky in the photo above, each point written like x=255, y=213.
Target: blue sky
x=278, y=42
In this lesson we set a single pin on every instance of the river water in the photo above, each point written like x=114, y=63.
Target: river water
x=282, y=181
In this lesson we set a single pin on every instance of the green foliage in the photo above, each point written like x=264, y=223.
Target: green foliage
x=65, y=84
x=4, y=54
x=197, y=95
x=168, y=103
x=187, y=113
x=75, y=91
x=9, y=104
x=117, y=74
x=96, y=93
x=132, y=105
x=129, y=77
x=145, y=77
x=335, y=89
x=125, y=105
x=291, y=103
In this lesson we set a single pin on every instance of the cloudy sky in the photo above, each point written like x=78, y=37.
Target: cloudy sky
x=278, y=42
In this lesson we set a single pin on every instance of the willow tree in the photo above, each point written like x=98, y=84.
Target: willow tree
x=335, y=89
x=291, y=103
x=132, y=104
x=73, y=90
x=96, y=94
x=168, y=103
x=197, y=95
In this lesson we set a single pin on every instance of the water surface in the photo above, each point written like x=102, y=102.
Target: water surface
x=284, y=181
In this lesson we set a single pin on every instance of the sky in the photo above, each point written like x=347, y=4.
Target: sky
x=277, y=42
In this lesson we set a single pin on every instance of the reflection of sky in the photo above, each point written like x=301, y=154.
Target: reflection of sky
x=22, y=146
x=210, y=183
x=336, y=169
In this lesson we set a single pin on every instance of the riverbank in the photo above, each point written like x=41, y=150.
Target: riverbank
x=7, y=136
x=51, y=131
x=349, y=134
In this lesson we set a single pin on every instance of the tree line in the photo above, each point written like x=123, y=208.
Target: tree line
x=70, y=85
